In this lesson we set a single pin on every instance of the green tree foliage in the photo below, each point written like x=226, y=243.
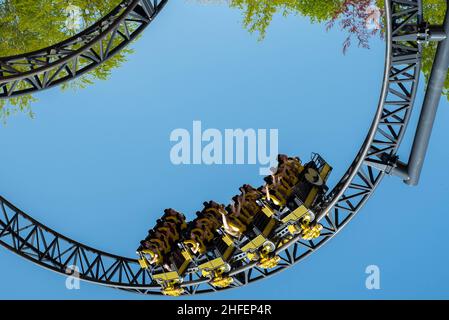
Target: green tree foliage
x=258, y=14
x=434, y=11
x=28, y=25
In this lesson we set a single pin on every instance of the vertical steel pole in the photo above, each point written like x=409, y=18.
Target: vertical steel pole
x=430, y=107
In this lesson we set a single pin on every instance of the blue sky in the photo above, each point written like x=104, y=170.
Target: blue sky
x=94, y=164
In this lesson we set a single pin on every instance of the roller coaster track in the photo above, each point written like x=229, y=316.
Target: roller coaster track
x=36, y=242
x=64, y=61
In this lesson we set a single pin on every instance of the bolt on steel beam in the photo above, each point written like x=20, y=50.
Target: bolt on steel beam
x=437, y=34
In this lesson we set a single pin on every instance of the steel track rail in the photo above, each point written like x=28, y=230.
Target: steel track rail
x=34, y=241
x=45, y=68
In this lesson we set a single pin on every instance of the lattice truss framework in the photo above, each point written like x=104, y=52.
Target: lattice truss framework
x=23, y=235
x=52, y=66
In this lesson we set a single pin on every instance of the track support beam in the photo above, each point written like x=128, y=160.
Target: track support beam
x=411, y=171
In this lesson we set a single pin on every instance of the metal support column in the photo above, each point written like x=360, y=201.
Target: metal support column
x=411, y=172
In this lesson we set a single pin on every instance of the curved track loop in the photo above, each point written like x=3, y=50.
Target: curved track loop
x=64, y=61
x=23, y=235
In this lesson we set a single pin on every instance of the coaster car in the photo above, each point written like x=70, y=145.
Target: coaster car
x=251, y=228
